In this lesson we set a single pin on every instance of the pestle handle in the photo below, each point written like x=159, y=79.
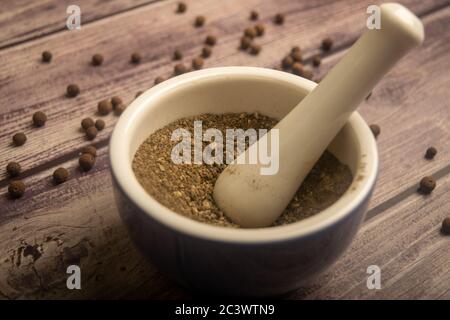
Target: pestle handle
x=254, y=200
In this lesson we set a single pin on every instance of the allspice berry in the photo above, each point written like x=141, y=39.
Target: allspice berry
x=46, y=56
x=97, y=59
x=182, y=7
x=115, y=101
x=60, y=175
x=279, y=19
x=158, y=80
x=211, y=40
x=430, y=153
x=206, y=52
x=16, y=189
x=104, y=107
x=316, y=61
x=327, y=44
x=119, y=109
x=91, y=133
x=135, y=58
x=296, y=55
x=297, y=68
x=39, y=118
x=89, y=149
x=446, y=226
x=250, y=32
x=254, y=15
x=426, y=185
x=19, y=138
x=197, y=63
x=179, y=69
x=287, y=62
x=260, y=29
x=86, y=123
x=72, y=90
x=375, y=130
x=13, y=169
x=295, y=49
x=245, y=42
x=255, y=48
x=86, y=161
x=99, y=124
x=177, y=55
x=199, y=21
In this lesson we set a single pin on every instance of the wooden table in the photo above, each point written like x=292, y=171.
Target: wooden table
x=77, y=222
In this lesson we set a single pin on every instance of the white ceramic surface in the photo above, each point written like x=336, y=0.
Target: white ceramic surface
x=261, y=262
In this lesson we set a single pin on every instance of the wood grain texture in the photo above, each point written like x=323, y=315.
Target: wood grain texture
x=77, y=221
x=21, y=21
x=407, y=245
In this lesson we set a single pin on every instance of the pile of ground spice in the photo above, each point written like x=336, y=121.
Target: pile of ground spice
x=188, y=188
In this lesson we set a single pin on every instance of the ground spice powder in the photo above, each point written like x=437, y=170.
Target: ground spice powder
x=188, y=188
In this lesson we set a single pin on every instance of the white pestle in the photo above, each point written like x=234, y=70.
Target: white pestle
x=253, y=200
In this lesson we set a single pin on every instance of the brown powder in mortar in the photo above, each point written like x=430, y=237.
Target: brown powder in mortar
x=188, y=188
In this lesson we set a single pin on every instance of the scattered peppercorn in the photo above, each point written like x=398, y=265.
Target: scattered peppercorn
x=104, y=107
x=316, y=61
x=327, y=44
x=138, y=94
x=197, y=63
x=446, y=226
x=13, y=169
x=245, y=42
x=426, y=185
x=180, y=69
x=16, y=189
x=375, y=129
x=307, y=73
x=60, y=175
x=91, y=133
x=100, y=124
x=254, y=15
x=211, y=40
x=182, y=7
x=19, y=139
x=296, y=55
x=255, y=48
x=115, y=101
x=297, y=68
x=39, y=118
x=287, y=62
x=430, y=153
x=89, y=149
x=119, y=109
x=135, y=58
x=279, y=18
x=199, y=21
x=86, y=161
x=250, y=32
x=177, y=55
x=87, y=123
x=97, y=59
x=46, y=56
x=260, y=29
x=73, y=90
x=206, y=52
x=295, y=49
x=158, y=80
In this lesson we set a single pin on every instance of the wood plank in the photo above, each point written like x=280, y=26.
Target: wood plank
x=154, y=32
x=407, y=245
x=21, y=21
x=81, y=214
